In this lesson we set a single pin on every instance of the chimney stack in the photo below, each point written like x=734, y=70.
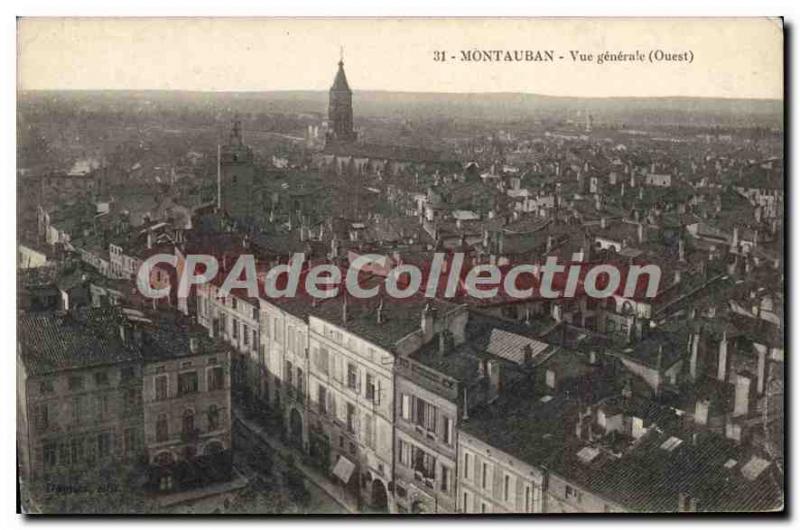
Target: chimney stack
x=427, y=323
x=694, y=350
x=380, y=315
x=701, y=411
x=722, y=358
x=741, y=400
x=493, y=369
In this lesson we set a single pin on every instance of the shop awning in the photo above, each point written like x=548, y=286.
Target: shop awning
x=344, y=469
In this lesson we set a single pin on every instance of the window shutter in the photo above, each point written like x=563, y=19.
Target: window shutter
x=377, y=396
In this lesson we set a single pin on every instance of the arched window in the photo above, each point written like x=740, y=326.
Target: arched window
x=162, y=428
x=213, y=418
x=188, y=421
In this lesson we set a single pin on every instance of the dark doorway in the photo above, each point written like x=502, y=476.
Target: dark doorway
x=296, y=427
x=380, y=500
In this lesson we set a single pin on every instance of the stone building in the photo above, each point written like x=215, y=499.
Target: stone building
x=234, y=319
x=492, y=481
x=103, y=385
x=425, y=436
x=186, y=404
x=78, y=394
x=354, y=346
x=284, y=364
x=438, y=387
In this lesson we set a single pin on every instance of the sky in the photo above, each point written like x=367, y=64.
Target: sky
x=732, y=58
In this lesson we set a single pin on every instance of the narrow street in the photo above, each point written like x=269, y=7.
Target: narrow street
x=264, y=460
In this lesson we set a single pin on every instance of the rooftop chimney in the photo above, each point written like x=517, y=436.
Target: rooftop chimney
x=722, y=366
x=380, y=315
x=443, y=342
x=493, y=369
x=741, y=400
x=427, y=322
x=694, y=347
x=701, y=411
x=527, y=355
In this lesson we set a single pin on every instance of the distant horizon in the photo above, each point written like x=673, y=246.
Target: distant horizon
x=389, y=91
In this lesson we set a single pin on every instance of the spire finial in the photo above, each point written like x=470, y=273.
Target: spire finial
x=341, y=54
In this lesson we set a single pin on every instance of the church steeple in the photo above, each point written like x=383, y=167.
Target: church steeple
x=340, y=108
x=340, y=82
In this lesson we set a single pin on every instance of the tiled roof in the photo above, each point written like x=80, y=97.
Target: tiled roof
x=651, y=476
x=49, y=343
x=512, y=347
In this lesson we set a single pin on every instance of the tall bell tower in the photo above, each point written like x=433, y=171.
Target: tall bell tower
x=235, y=175
x=340, y=108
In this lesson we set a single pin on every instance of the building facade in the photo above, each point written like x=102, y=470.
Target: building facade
x=426, y=412
x=187, y=411
x=77, y=409
x=283, y=365
x=350, y=416
x=492, y=481
x=234, y=319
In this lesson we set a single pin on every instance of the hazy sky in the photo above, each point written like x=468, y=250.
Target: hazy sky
x=732, y=57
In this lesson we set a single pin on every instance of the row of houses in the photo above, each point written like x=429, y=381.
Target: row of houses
x=426, y=406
